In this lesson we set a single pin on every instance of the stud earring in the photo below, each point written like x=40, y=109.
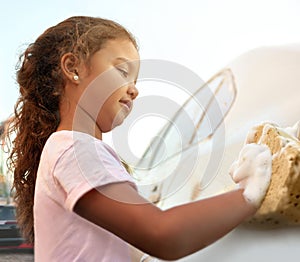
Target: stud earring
x=75, y=77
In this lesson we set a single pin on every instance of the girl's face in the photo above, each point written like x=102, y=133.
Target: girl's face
x=107, y=84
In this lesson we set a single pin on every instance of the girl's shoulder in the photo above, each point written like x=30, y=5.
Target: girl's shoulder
x=62, y=141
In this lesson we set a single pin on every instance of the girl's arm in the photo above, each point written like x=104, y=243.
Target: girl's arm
x=169, y=234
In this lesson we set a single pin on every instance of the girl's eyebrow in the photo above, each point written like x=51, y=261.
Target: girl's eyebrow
x=123, y=59
x=126, y=60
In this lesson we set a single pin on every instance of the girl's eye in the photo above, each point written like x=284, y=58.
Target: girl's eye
x=123, y=72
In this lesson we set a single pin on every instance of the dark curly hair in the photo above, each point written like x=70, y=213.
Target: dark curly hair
x=41, y=83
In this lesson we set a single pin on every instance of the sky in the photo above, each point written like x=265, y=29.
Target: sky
x=203, y=35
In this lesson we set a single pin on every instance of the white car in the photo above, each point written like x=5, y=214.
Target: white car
x=189, y=164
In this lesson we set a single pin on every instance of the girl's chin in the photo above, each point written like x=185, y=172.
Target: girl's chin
x=116, y=122
x=119, y=118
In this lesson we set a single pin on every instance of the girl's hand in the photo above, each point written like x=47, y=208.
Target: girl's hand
x=252, y=172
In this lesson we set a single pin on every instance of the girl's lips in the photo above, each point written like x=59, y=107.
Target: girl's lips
x=127, y=104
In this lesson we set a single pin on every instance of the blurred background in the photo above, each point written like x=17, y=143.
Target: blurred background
x=201, y=35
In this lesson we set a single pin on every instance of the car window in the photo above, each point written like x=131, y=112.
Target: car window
x=7, y=213
x=198, y=119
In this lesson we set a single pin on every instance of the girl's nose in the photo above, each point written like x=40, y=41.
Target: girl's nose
x=132, y=91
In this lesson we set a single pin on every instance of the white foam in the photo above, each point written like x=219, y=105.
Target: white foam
x=252, y=171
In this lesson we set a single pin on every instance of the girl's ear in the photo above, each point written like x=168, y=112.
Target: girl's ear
x=69, y=65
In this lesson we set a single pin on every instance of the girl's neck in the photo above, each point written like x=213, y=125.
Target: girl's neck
x=78, y=120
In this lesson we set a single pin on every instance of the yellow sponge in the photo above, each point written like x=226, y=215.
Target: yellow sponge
x=281, y=205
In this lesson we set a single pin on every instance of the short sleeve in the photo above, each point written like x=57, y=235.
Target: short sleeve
x=88, y=164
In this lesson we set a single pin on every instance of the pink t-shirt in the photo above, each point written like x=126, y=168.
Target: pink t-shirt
x=72, y=163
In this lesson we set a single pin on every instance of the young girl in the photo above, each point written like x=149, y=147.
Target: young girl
x=75, y=200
